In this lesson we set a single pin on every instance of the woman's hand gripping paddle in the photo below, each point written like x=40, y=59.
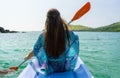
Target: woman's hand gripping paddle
x=82, y=11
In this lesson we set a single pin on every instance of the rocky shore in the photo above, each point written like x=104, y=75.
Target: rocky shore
x=2, y=30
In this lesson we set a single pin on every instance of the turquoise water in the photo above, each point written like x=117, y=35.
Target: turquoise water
x=100, y=51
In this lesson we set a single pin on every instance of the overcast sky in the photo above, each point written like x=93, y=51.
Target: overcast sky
x=30, y=15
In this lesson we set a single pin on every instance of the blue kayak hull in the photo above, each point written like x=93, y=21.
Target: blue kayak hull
x=81, y=71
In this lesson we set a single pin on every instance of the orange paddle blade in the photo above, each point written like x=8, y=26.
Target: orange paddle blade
x=14, y=68
x=81, y=11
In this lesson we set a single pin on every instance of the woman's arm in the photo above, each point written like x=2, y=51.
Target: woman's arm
x=36, y=48
x=30, y=55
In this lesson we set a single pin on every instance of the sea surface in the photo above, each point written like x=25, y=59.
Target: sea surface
x=100, y=51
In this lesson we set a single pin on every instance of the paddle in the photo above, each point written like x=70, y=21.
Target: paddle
x=82, y=11
x=25, y=59
x=16, y=67
x=77, y=15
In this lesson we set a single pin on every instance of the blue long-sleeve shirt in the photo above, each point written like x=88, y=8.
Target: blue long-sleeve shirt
x=65, y=62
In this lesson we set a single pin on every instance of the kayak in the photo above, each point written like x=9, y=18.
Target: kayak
x=34, y=71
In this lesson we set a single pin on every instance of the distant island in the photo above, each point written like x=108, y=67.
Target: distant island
x=115, y=27
x=2, y=30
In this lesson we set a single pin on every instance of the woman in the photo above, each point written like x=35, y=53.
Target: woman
x=57, y=48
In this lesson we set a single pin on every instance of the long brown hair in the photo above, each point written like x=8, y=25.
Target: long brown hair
x=56, y=34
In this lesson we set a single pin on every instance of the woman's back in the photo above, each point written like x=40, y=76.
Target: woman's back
x=65, y=62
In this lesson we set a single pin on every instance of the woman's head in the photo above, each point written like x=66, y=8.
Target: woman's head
x=53, y=19
x=56, y=33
